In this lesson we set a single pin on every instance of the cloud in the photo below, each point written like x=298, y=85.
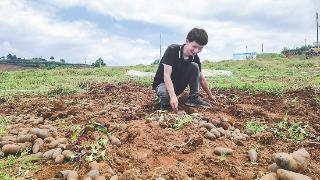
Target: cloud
x=36, y=29
x=30, y=32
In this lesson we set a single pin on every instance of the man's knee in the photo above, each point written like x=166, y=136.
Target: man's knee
x=162, y=91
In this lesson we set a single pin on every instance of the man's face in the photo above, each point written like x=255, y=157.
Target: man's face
x=193, y=48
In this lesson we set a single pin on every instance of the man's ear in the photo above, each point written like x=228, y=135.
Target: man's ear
x=187, y=41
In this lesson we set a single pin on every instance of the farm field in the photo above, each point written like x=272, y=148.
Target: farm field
x=108, y=124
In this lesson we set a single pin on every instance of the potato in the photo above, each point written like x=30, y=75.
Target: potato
x=99, y=178
x=37, y=145
x=56, y=142
x=253, y=156
x=59, y=159
x=56, y=153
x=93, y=173
x=48, y=139
x=222, y=150
x=114, y=140
x=2, y=143
x=215, y=132
x=49, y=154
x=269, y=176
x=73, y=175
x=11, y=148
x=209, y=135
x=26, y=138
x=67, y=154
x=8, y=138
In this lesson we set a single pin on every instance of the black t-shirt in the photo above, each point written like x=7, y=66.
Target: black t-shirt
x=173, y=56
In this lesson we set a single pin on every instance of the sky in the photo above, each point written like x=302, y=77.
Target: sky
x=127, y=32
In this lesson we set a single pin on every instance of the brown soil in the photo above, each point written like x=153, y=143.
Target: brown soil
x=150, y=150
x=7, y=67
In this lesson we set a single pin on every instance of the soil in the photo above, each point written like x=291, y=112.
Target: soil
x=7, y=67
x=149, y=149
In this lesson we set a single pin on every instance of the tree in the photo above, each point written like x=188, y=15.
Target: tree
x=2, y=58
x=51, y=58
x=9, y=56
x=157, y=61
x=62, y=61
x=99, y=62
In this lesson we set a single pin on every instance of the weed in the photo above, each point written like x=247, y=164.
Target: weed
x=316, y=100
x=297, y=131
x=255, y=126
x=3, y=123
x=223, y=156
x=182, y=121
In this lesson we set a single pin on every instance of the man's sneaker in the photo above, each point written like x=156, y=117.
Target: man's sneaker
x=196, y=102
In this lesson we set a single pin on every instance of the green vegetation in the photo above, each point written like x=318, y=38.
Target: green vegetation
x=294, y=131
x=3, y=123
x=255, y=126
x=271, y=73
x=181, y=121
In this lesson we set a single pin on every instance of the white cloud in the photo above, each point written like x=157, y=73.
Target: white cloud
x=32, y=33
x=231, y=25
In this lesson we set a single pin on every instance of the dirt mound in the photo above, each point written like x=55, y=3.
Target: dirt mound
x=151, y=148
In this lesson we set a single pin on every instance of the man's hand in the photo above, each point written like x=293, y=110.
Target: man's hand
x=212, y=97
x=174, y=103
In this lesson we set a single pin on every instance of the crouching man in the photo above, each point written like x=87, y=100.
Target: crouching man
x=179, y=67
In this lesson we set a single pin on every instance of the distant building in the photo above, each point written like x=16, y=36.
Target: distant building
x=244, y=56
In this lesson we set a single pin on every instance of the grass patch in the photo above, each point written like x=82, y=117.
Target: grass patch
x=181, y=121
x=255, y=126
x=3, y=123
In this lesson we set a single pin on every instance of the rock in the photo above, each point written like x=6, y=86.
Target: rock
x=253, y=155
x=215, y=132
x=223, y=150
x=289, y=175
x=273, y=167
x=295, y=161
x=93, y=173
x=269, y=176
x=209, y=135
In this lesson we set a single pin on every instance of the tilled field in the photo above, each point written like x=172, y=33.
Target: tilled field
x=117, y=132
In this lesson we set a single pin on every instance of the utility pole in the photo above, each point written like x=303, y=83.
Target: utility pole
x=305, y=42
x=317, y=29
x=160, y=47
x=262, y=48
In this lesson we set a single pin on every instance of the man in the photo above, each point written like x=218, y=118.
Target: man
x=180, y=66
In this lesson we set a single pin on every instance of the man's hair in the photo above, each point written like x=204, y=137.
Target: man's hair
x=198, y=35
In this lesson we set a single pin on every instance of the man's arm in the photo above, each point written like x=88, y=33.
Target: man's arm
x=169, y=86
x=205, y=87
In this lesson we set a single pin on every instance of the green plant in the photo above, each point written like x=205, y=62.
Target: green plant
x=255, y=126
x=181, y=121
x=297, y=131
x=3, y=123
x=223, y=156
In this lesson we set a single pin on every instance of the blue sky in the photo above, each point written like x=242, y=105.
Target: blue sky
x=124, y=32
